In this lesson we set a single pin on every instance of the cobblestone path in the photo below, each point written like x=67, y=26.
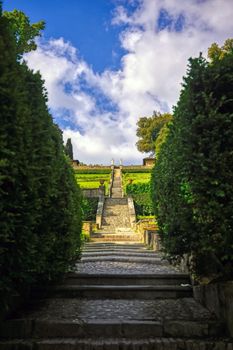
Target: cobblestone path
x=108, y=303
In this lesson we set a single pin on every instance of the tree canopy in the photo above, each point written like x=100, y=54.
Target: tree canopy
x=24, y=32
x=217, y=53
x=148, y=129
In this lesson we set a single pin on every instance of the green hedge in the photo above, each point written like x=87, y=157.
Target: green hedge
x=141, y=193
x=192, y=180
x=136, y=170
x=40, y=210
x=89, y=207
x=92, y=171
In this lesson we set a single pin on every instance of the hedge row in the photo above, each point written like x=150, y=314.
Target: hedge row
x=40, y=210
x=141, y=194
x=193, y=177
x=92, y=171
x=89, y=207
x=136, y=170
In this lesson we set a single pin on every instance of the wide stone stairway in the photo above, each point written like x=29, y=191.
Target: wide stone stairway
x=116, y=224
x=119, y=296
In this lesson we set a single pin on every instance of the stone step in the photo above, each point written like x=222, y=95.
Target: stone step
x=111, y=225
x=151, y=343
x=115, y=201
x=78, y=328
x=145, y=292
x=122, y=248
x=108, y=229
x=117, y=249
x=120, y=239
x=126, y=279
x=106, y=245
x=111, y=237
x=129, y=254
x=117, y=194
x=119, y=258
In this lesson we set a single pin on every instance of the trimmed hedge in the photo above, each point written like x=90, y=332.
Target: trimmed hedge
x=40, y=209
x=141, y=193
x=192, y=179
x=136, y=170
x=93, y=171
x=89, y=207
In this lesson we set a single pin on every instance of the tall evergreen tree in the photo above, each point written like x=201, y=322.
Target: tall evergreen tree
x=69, y=148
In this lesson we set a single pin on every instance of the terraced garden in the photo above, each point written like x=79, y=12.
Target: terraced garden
x=135, y=176
x=136, y=183
x=92, y=178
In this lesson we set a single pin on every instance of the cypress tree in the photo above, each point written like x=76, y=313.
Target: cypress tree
x=69, y=149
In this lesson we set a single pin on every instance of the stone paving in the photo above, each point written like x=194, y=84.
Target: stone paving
x=122, y=309
x=80, y=323
x=116, y=267
x=108, y=322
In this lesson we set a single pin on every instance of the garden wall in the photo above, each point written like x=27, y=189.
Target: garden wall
x=218, y=298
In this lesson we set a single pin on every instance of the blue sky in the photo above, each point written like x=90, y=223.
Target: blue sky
x=106, y=63
x=85, y=23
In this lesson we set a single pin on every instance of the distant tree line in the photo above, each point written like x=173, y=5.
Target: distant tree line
x=192, y=182
x=40, y=210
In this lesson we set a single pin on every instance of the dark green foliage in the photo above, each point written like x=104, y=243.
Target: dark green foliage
x=93, y=171
x=23, y=31
x=40, y=211
x=193, y=178
x=141, y=193
x=89, y=207
x=148, y=129
x=69, y=149
x=136, y=170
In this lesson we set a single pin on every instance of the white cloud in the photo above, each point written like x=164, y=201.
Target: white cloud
x=149, y=77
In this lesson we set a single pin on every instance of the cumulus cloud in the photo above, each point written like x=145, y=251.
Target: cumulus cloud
x=99, y=111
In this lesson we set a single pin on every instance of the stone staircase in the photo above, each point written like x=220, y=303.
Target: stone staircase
x=112, y=304
x=117, y=186
x=116, y=218
x=115, y=214
x=120, y=296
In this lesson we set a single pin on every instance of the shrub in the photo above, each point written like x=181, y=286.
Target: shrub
x=192, y=180
x=40, y=201
x=93, y=171
x=142, y=197
x=89, y=207
x=136, y=170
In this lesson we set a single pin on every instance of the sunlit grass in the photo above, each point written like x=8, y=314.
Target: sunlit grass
x=136, y=178
x=91, y=181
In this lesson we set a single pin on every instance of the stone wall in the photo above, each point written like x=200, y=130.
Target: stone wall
x=218, y=298
x=93, y=192
x=99, y=213
x=149, y=233
x=132, y=214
